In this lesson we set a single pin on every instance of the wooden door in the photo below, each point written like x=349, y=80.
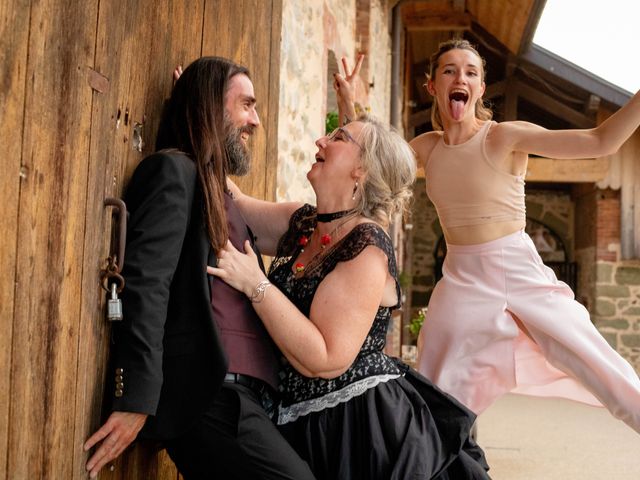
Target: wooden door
x=249, y=32
x=82, y=89
x=47, y=129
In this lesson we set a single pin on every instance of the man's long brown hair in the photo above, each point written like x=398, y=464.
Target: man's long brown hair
x=193, y=122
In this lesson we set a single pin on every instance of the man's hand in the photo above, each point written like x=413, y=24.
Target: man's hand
x=120, y=429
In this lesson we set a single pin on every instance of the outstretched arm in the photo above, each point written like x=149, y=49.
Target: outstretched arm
x=325, y=344
x=605, y=139
x=268, y=220
x=345, y=87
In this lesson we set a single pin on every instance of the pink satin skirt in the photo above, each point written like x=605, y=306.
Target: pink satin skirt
x=471, y=344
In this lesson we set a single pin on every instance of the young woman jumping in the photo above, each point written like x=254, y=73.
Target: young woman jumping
x=499, y=320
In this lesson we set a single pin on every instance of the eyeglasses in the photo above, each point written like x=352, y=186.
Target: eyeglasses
x=335, y=135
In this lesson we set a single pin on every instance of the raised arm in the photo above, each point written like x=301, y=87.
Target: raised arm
x=268, y=220
x=605, y=139
x=345, y=87
x=326, y=344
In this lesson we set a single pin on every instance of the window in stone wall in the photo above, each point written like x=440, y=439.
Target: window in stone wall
x=547, y=242
x=552, y=250
x=331, y=120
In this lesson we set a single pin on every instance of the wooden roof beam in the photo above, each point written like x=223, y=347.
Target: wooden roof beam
x=459, y=5
x=586, y=170
x=576, y=75
x=438, y=21
x=554, y=106
x=532, y=24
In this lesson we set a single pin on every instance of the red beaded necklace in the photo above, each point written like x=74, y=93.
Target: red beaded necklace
x=325, y=240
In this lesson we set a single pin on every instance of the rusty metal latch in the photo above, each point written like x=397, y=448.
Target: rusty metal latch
x=110, y=279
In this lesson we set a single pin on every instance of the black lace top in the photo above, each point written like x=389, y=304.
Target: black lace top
x=370, y=360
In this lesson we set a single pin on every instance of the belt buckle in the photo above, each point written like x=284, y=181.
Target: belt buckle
x=231, y=377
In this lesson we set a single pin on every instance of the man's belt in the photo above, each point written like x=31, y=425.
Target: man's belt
x=262, y=389
x=252, y=383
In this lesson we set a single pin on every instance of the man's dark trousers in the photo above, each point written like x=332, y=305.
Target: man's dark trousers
x=235, y=439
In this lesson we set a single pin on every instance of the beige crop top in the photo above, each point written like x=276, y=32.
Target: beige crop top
x=467, y=188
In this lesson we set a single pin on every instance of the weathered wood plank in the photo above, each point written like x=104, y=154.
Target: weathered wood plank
x=273, y=105
x=504, y=19
x=566, y=171
x=453, y=21
x=138, y=45
x=627, y=158
x=50, y=240
x=14, y=31
x=435, y=16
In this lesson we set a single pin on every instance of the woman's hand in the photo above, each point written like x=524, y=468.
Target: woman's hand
x=345, y=87
x=176, y=74
x=237, y=269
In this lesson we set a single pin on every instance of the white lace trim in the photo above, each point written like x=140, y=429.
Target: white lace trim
x=330, y=400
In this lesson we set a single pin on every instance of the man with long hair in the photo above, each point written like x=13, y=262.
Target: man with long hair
x=193, y=366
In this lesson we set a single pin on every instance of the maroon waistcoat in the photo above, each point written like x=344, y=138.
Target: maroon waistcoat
x=246, y=342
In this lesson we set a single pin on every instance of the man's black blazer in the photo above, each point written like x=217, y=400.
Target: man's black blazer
x=167, y=357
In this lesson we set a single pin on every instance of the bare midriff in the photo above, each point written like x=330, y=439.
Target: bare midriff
x=475, y=234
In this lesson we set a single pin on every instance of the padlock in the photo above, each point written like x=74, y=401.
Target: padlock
x=114, y=305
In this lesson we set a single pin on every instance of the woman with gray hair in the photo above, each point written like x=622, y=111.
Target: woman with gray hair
x=349, y=410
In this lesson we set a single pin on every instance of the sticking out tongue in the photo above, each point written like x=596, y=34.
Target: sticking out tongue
x=457, y=109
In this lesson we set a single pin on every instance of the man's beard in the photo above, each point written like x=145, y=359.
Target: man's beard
x=239, y=156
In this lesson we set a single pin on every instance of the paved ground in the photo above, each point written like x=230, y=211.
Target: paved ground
x=528, y=438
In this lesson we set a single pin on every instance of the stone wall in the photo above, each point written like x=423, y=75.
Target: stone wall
x=378, y=79
x=616, y=310
x=617, y=307
x=310, y=30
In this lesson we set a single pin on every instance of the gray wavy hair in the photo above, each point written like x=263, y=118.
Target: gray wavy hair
x=390, y=170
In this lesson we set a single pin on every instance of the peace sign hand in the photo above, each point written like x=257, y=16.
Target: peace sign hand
x=345, y=87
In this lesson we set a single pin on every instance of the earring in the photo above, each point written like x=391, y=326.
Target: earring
x=355, y=189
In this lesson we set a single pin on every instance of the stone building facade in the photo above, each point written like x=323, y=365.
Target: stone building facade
x=315, y=36
x=612, y=284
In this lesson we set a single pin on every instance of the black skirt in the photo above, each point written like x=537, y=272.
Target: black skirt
x=401, y=429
